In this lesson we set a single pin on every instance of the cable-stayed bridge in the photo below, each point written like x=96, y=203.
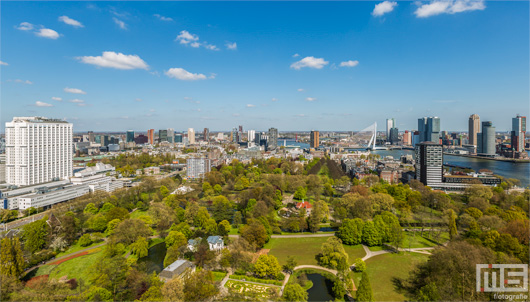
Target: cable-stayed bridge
x=366, y=138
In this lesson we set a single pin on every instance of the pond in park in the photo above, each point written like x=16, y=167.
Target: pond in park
x=322, y=288
x=154, y=262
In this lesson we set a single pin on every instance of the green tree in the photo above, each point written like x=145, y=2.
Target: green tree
x=210, y=226
x=371, y=235
x=129, y=230
x=267, y=266
x=351, y=231
x=96, y=293
x=201, y=218
x=97, y=223
x=200, y=286
x=176, y=238
x=91, y=209
x=290, y=265
x=172, y=255
x=218, y=189
x=173, y=290
x=164, y=191
x=106, y=207
x=364, y=292
x=429, y=293
x=222, y=208
x=238, y=219
x=360, y=265
x=300, y=193
x=223, y=228
x=35, y=235
x=11, y=257
x=255, y=233
x=294, y=292
x=207, y=189
x=333, y=254
x=85, y=240
x=451, y=222
x=140, y=247
x=112, y=225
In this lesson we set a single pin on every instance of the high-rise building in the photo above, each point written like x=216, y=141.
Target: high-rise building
x=130, y=136
x=429, y=163
x=38, y=150
x=314, y=139
x=518, y=133
x=486, y=140
x=162, y=135
x=104, y=140
x=191, y=136
x=394, y=136
x=257, y=138
x=178, y=138
x=197, y=167
x=407, y=138
x=272, y=142
x=206, y=134
x=234, y=135
x=390, y=123
x=251, y=135
x=171, y=135
x=429, y=128
x=474, y=128
x=91, y=137
x=151, y=136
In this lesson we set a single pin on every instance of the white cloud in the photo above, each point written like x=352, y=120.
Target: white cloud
x=74, y=90
x=310, y=99
x=47, y=33
x=296, y=55
x=70, y=21
x=58, y=99
x=251, y=105
x=77, y=101
x=212, y=76
x=448, y=7
x=188, y=98
x=211, y=46
x=112, y=59
x=42, y=104
x=185, y=38
x=274, y=99
x=120, y=23
x=182, y=74
x=22, y=81
x=349, y=63
x=231, y=46
x=3, y=63
x=310, y=62
x=300, y=89
x=195, y=44
x=383, y=8
x=138, y=100
x=162, y=18
x=25, y=26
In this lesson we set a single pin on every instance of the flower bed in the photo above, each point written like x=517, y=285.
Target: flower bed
x=247, y=289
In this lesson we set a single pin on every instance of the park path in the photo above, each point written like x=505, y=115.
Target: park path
x=370, y=254
x=295, y=236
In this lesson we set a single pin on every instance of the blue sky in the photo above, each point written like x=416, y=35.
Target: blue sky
x=290, y=65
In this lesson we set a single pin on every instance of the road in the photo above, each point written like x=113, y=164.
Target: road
x=23, y=221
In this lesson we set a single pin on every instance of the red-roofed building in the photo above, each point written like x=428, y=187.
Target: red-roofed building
x=306, y=205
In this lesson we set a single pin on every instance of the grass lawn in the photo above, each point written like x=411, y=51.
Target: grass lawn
x=414, y=240
x=138, y=213
x=155, y=241
x=303, y=249
x=218, y=276
x=383, y=268
x=74, y=268
x=300, y=233
x=76, y=247
x=233, y=231
x=376, y=248
x=354, y=252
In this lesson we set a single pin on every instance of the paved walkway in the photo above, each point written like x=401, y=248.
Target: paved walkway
x=296, y=235
x=334, y=272
x=370, y=254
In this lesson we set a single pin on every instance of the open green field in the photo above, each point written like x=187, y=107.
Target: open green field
x=76, y=247
x=414, y=240
x=138, y=213
x=73, y=268
x=305, y=249
x=383, y=268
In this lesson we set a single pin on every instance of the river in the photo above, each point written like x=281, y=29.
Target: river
x=505, y=169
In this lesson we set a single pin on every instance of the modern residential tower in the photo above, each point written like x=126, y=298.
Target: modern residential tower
x=518, y=133
x=314, y=139
x=429, y=163
x=474, y=128
x=486, y=140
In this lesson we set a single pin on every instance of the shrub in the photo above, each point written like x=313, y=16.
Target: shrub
x=85, y=240
x=360, y=265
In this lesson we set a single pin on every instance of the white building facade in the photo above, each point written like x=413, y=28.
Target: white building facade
x=38, y=150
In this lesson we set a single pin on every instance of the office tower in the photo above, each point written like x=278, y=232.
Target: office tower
x=240, y=128
x=38, y=150
x=429, y=128
x=162, y=135
x=272, y=142
x=474, y=128
x=407, y=138
x=191, y=136
x=314, y=139
x=130, y=136
x=91, y=137
x=429, y=163
x=98, y=139
x=518, y=133
x=197, y=167
x=251, y=135
x=394, y=135
x=390, y=123
x=486, y=140
x=234, y=135
x=171, y=135
x=104, y=140
x=257, y=138
x=178, y=138
x=151, y=136
x=206, y=134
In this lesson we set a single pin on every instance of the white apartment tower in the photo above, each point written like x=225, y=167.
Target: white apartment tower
x=38, y=150
x=191, y=136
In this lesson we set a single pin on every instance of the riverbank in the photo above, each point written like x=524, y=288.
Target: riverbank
x=504, y=159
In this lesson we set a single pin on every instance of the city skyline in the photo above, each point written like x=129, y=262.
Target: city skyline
x=340, y=66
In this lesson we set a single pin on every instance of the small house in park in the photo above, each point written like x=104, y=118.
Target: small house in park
x=304, y=205
x=178, y=269
x=194, y=243
x=216, y=243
